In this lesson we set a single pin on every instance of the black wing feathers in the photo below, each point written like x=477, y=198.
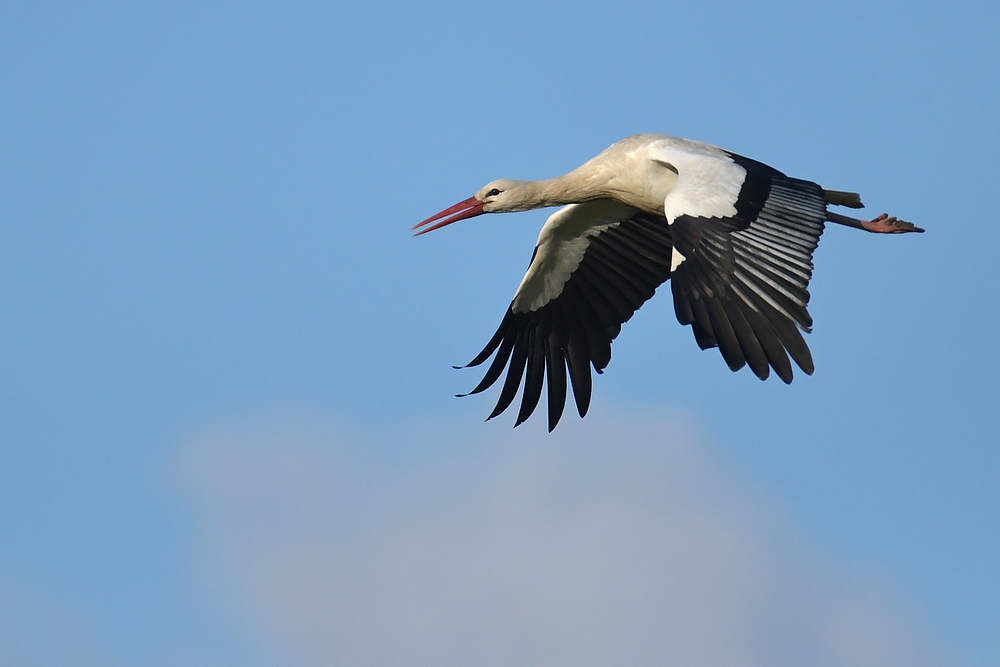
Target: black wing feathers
x=742, y=284
x=555, y=369
x=621, y=269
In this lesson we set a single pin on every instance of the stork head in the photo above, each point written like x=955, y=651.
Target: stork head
x=501, y=196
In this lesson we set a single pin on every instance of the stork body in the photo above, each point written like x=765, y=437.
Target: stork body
x=735, y=235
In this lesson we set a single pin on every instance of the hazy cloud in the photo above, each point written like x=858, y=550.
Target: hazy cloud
x=37, y=629
x=611, y=542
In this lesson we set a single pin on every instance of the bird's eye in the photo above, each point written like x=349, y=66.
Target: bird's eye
x=493, y=193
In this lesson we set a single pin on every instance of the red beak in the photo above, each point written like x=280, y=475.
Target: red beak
x=469, y=208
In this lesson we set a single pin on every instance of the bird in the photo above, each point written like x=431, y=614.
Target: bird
x=734, y=236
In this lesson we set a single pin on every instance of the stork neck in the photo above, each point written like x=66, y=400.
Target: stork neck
x=566, y=189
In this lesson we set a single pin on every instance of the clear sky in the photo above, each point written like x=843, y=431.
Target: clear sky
x=227, y=427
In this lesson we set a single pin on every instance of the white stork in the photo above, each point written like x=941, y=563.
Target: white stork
x=736, y=236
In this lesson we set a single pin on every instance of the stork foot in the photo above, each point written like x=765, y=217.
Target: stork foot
x=886, y=224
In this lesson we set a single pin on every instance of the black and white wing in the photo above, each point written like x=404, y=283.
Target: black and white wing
x=594, y=265
x=742, y=259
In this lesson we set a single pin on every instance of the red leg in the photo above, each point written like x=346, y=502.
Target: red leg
x=889, y=225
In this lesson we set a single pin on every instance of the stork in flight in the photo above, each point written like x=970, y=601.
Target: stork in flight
x=735, y=235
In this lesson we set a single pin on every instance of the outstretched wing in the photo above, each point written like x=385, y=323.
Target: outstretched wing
x=741, y=267
x=594, y=265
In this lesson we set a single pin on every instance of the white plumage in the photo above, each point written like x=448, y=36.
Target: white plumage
x=735, y=236
x=561, y=245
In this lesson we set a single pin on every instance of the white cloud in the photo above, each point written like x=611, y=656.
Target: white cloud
x=611, y=542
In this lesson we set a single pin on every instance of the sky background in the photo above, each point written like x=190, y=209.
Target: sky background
x=227, y=427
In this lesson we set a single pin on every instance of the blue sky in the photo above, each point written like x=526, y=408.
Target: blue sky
x=204, y=213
